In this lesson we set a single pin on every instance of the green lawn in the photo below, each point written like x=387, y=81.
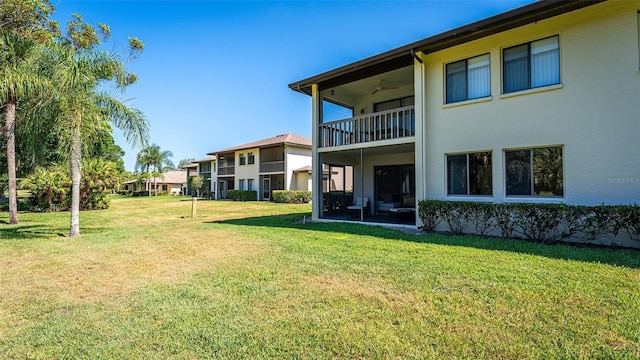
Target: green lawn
x=245, y=280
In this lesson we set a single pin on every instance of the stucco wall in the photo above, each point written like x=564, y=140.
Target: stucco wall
x=247, y=171
x=214, y=179
x=302, y=181
x=594, y=114
x=296, y=157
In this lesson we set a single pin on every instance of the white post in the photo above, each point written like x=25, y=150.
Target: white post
x=316, y=163
x=420, y=137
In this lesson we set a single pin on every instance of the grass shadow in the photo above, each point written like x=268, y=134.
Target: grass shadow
x=27, y=232
x=612, y=256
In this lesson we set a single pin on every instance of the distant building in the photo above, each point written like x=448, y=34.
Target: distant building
x=281, y=162
x=172, y=182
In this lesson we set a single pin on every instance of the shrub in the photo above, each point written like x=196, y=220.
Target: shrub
x=547, y=223
x=430, y=213
x=140, y=193
x=291, y=196
x=242, y=195
x=49, y=187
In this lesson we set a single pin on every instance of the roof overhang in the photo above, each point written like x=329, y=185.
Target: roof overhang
x=404, y=55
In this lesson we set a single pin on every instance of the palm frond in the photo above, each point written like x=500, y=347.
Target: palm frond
x=131, y=121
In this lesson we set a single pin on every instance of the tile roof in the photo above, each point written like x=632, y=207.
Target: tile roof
x=168, y=177
x=303, y=169
x=208, y=158
x=287, y=139
x=173, y=177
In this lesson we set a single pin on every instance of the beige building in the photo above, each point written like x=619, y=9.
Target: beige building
x=278, y=163
x=172, y=182
x=537, y=104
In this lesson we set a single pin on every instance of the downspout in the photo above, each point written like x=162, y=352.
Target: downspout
x=362, y=204
x=420, y=158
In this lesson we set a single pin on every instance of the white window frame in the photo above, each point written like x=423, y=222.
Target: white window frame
x=530, y=87
x=532, y=172
x=468, y=174
x=466, y=70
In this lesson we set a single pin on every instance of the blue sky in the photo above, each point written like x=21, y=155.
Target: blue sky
x=214, y=73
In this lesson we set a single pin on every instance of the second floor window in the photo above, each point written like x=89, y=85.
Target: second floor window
x=468, y=79
x=531, y=65
x=243, y=159
x=205, y=167
x=251, y=159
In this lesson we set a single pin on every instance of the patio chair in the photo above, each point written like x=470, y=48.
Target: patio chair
x=362, y=203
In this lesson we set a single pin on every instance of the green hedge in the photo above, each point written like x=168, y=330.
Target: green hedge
x=548, y=223
x=291, y=196
x=242, y=195
x=140, y=193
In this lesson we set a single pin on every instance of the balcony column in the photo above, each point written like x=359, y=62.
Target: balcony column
x=316, y=162
x=420, y=137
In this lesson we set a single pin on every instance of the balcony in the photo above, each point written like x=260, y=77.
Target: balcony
x=384, y=125
x=272, y=166
x=226, y=170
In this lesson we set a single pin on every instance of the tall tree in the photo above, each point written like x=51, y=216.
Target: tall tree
x=143, y=163
x=185, y=162
x=83, y=67
x=154, y=156
x=23, y=25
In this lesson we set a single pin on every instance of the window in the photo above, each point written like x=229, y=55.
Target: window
x=468, y=79
x=250, y=184
x=205, y=167
x=531, y=65
x=213, y=166
x=251, y=158
x=535, y=172
x=241, y=184
x=393, y=104
x=469, y=174
x=164, y=188
x=243, y=159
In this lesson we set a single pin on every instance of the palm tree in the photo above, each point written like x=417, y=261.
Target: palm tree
x=153, y=156
x=82, y=68
x=24, y=25
x=19, y=80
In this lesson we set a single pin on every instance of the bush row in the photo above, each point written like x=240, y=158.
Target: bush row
x=291, y=196
x=548, y=223
x=140, y=193
x=242, y=195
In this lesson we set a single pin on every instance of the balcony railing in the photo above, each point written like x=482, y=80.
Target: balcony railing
x=384, y=125
x=272, y=166
x=226, y=170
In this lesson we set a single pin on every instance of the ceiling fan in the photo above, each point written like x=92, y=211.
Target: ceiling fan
x=381, y=87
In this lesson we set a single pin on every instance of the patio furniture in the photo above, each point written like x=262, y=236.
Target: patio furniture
x=402, y=214
x=362, y=203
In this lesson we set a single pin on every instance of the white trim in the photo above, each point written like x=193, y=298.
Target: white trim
x=467, y=102
x=531, y=91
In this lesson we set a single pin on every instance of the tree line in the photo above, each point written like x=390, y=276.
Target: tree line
x=59, y=97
